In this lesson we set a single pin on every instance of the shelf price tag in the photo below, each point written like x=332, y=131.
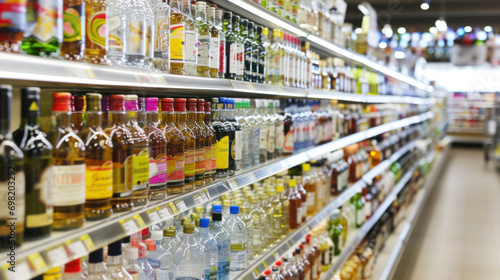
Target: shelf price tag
x=76, y=249
x=200, y=198
x=159, y=79
x=173, y=208
x=242, y=85
x=89, y=244
x=163, y=212
x=232, y=183
x=37, y=262
x=153, y=215
x=129, y=226
x=181, y=205
x=21, y=271
x=57, y=256
x=139, y=220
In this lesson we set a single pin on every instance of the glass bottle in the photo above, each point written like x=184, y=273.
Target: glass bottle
x=114, y=261
x=96, y=267
x=210, y=141
x=222, y=44
x=304, y=195
x=344, y=224
x=259, y=221
x=240, y=48
x=246, y=143
x=231, y=47
x=223, y=244
x=68, y=159
x=200, y=141
x=359, y=202
x=96, y=33
x=12, y=29
x=252, y=34
x=271, y=128
x=190, y=39
x=247, y=40
x=188, y=256
x=136, y=34
x=268, y=208
x=285, y=204
x=222, y=137
x=235, y=141
x=118, y=22
x=176, y=143
x=208, y=122
x=150, y=35
x=278, y=213
x=273, y=58
x=98, y=161
x=264, y=124
x=262, y=41
x=73, y=43
x=239, y=241
x=289, y=128
x=131, y=265
x=311, y=187
x=280, y=127
x=190, y=143
x=168, y=245
x=37, y=152
x=204, y=36
x=210, y=250
x=105, y=111
x=12, y=177
x=77, y=120
x=177, y=37
x=214, y=42
x=161, y=12
x=157, y=151
x=122, y=154
x=46, y=39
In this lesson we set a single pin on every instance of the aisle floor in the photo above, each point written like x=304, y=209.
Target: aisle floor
x=458, y=233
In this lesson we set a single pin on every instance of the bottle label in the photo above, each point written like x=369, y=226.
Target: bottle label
x=43, y=20
x=13, y=191
x=177, y=42
x=240, y=60
x=72, y=23
x=200, y=161
x=271, y=138
x=13, y=15
x=326, y=257
x=360, y=216
x=44, y=187
x=136, y=38
x=222, y=56
x=344, y=180
x=262, y=65
x=236, y=147
x=214, y=157
x=191, y=47
x=99, y=181
x=222, y=153
x=310, y=199
x=175, y=168
x=69, y=185
x=214, y=53
x=211, y=274
x=233, y=57
x=208, y=159
x=157, y=172
x=248, y=61
x=96, y=28
x=140, y=170
x=288, y=143
x=154, y=263
x=204, y=51
x=115, y=30
x=256, y=143
x=263, y=138
x=223, y=267
x=279, y=137
x=162, y=38
x=122, y=178
x=189, y=163
x=238, y=256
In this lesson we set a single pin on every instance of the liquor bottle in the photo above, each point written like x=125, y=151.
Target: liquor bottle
x=176, y=143
x=177, y=44
x=12, y=177
x=211, y=252
x=150, y=35
x=200, y=141
x=294, y=212
x=245, y=32
x=136, y=34
x=304, y=260
x=271, y=120
x=188, y=256
x=73, y=270
x=235, y=137
x=96, y=37
x=12, y=29
x=98, y=162
x=359, y=202
x=202, y=66
x=310, y=186
x=122, y=154
x=246, y=135
x=283, y=60
x=96, y=267
x=73, y=43
x=265, y=124
x=77, y=120
x=239, y=240
x=118, y=21
x=114, y=261
x=161, y=12
x=68, y=159
x=344, y=224
x=190, y=144
x=214, y=43
x=285, y=204
x=222, y=136
x=168, y=245
x=37, y=152
x=251, y=118
x=142, y=118
x=46, y=39
x=140, y=151
x=240, y=48
x=211, y=143
x=279, y=125
x=259, y=222
x=222, y=44
x=156, y=254
x=190, y=39
x=273, y=59
x=304, y=195
x=278, y=213
x=157, y=151
x=231, y=47
x=336, y=235
x=262, y=42
x=105, y=110
x=223, y=244
x=255, y=52
x=289, y=128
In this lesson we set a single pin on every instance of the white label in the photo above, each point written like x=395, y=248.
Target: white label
x=240, y=59
x=57, y=256
x=238, y=145
x=163, y=212
x=360, y=216
x=263, y=138
x=181, y=206
x=299, y=215
x=154, y=216
x=201, y=198
x=77, y=249
x=130, y=226
x=368, y=209
x=233, y=58
x=191, y=49
x=69, y=185
x=23, y=271
x=238, y=260
x=310, y=199
x=214, y=52
x=271, y=138
x=204, y=50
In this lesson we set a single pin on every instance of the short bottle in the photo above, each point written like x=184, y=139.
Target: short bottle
x=114, y=262
x=239, y=240
x=73, y=271
x=168, y=245
x=210, y=249
x=97, y=269
x=223, y=244
x=189, y=256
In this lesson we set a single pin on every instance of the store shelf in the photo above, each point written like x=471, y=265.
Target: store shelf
x=466, y=130
x=395, y=246
x=468, y=139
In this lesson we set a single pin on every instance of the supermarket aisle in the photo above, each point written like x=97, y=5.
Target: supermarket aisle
x=458, y=234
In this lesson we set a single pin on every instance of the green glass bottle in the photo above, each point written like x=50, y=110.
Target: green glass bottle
x=335, y=233
x=359, y=204
x=245, y=28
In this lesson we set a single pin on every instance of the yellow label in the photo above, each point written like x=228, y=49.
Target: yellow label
x=239, y=247
x=222, y=153
x=98, y=181
x=40, y=220
x=189, y=162
x=37, y=262
x=173, y=208
x=88, y=242
x=140, y=170
x=177, y=42
x=139, y=220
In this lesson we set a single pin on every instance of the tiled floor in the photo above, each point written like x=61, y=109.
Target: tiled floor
x=458, y=234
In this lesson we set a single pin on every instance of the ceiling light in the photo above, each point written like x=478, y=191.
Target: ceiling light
x=387, y=31
x=424, y=6
x=401, y=30
x=468, y=29
x=441, y=25
x=382, y=45
x=488, y=29
x=358, y=30
x=433, y=30
x=363, y=9
x=482, y=36
x=399, y=55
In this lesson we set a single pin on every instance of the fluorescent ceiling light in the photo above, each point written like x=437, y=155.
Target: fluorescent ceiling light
x=363, y=9
x=382, y=45
x=441, y=25
x=401, y=30
x=250, y=8
x=358, y=30
x=488, y=29
x=468, y=29
x=387, y=30
x=424, y=6
x=433, y=30
x=399, y=55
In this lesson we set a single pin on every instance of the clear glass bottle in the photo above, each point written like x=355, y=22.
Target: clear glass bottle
x=177, y=37
x=222, y=44
x=222, y=136
x=136, y=33
x=97, y=269
x=246, y=33
x=246, y=135
x=235, y=137
x=168, y=245
x=294, y=212
x=77, y=121
x=211, y=251
x=215, y=41
x=278, y=213
x=150, y=35
x=204, y=36
x=161, y=12
x=190, y=39
x=210, y=144
x=311, y=187
x=259, y=220
x=239, y=241
x=264, y=124
x=223, y=244
x=246, y=217
x=114, y=260
x=269, y=209
x=118, y=19
x=240, y=48
x=272, y=124
x=189, y=256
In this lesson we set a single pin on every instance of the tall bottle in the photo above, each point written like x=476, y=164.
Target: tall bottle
x=200, y=141
x=77, y=120
x=68, y=159
x=262, y=42
x=96, y=267
x=310, y=186
x=246, y=29
x=140, y=151
x=105, y=111
x=176, y=143
x=12, y=177
x=240, y=48
x=168, y=245
x=239, y=240
x=161, y=12
x=255, y=53
x=289, y=128
x=118, y=24
x=265, y=125
x=214, y=43
x=211, y=144
x=189, y=256
x=231, y=47
x=37, y=152
x=96, y=33
x=259, y=219
x=294, y=211
x=278, y=212
x=177, y=37
x=271, y=128
x=190, y=39
x=190, y=144
x=285, y=204
x=222, y=44
x=222, y=137
x=202, y=66
x=235, y=137
x=11, y=31
x=273, y=59
x=157, y=152
x=73, y=43
x=246, y=135
x=136, y=33
x=223, y=245
x=98, y=161
x=150, y=35
x=122, y=154
x=211, y=251
x=114, y=263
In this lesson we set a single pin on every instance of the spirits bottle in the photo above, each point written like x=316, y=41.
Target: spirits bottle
x=209, y=243
x=190, y=39
x=155, y=251
x=251, y=118
x=189, y=256
x=222, y=44
x=246, y=29
x=311, y=187
x=98, y=161
x=122, y=154
x=200, y=141
x=105, y=111
x=204, y=36
x=77, y=119
x=222, y=137
x=214, y=43
x=142, y=118
x=140, y=151
x=265, y=125
x=73, y=270
x=136, y=34
x=223, y=244
x=68, y=159
x=161, y=12
x=359, y=202
x=294, y=212
x=344, y=224
x=96, y=267
x=336, y=235
x=211, y=143
x=273, y=58
x=235, y=137
x=157, y=152
x=168, y=245
x=240, y=48
x=283, y=60
x=96, y=33
x=262, y=42
x=304, y=195
x=177, y=37
x=150, y=35
x=289, y=128
x=37, y=152
x=114, y=260
x=73, y=43
x=246, y=135
x=255, y=53
x=285, y=204
x=279, y=126
x=118, y=14
x=46, y=39
x=11, y=32
x=190, y=143
x=239, y=240
x=278, y=212
x=271, y=128
x=176, y=143
x=12, y=177
x=231, y=47
x=259, y=221
x=205, y=154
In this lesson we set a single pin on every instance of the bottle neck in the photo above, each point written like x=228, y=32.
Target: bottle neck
x=131, y=117
x=230, y=114
x=94, y=119
x=96, y=268
x=200, y=118
x=185, y=8
x=227, y=26
x=192, y=116
x=152, y=117
x=130, y=262
x=180, y=117
x=201, y=15
x=211, y=20
x=114, y=260
x=117, y=117
x=218, y=22
x=167, y=117
x=63, y=119
x=31, y=118
x=207, y=118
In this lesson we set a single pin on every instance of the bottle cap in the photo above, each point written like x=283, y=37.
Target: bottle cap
x=228, y=15
x=292, y=183
x=131, y=253
x=30, y=99
x=131, y=102
x=184, y=220
x=126, y=240
x=96, y=256
x=275, y=268
x=167, y=104
x=200, y=105
x=105, y=103
x=180, y=104
x=115, y=248
x=208, y=107
x=192, y=105
x=280, y=188
x=151, y=247
x=267, y=272
x=200, y=209
x=141, y=103
x=188, y=228
x=117, y=102
x=234, y=209
x=156, y=235
x=61, y=101
x=79, y=102
x=306, y=167
x=93, y=102
x=204, y=222
x=216, y=216
x=217, y=208
x=169, y=231
x=278, y=263
x=145, y=231
x=73, y=266
x=297, y=251
x=151, y=104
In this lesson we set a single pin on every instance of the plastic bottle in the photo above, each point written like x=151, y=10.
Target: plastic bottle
x=209, y=243
x=189, y=257
x=223, y=245
x=97, y=269
x=114, y=262
x=169, y=245
x=239, y=240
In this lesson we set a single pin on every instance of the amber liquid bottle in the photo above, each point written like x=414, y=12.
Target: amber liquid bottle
x=213, y=141
x=199, y=133
x=105, y=111
x=157, y=151
x=98, y=162
x=122, y=154
x=222, y=138
x=303, y=194
x=95, y=35
x=311, y=188
x=294, y=215
x=140, y=151
x=74, y=30
x=77, y=120
x=176, y=39
x=209, y=139
x=68, y=167
x=190, y=144
x=175, y=147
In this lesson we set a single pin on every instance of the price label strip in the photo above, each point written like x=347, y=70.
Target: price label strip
x=242, y=85
x=154, y=216
x=181, y=206
x=233, y=184
x=139, y=221
x=37, y=262
x=200, y=198
x=173, y=207
x=21, y=271
x=89, y=244
x=163, y=212
x=129, y=226
x=57, y=256
x=76, y=249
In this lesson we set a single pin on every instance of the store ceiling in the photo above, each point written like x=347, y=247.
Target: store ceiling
x=408, y=14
